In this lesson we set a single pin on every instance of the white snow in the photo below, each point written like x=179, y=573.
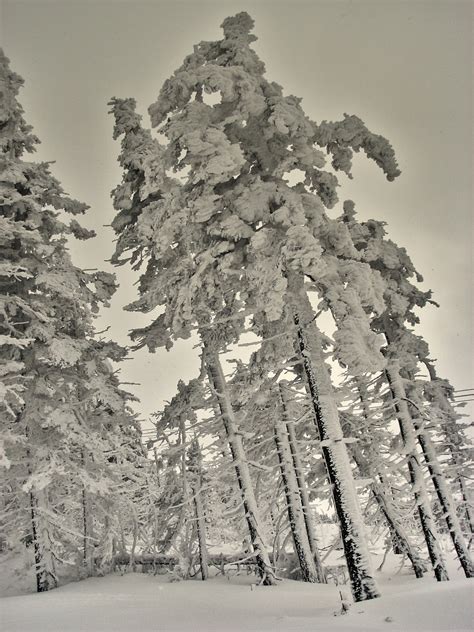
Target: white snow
x=147, y=603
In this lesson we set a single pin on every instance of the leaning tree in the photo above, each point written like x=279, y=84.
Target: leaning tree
x=226, y=236
x=405, y=351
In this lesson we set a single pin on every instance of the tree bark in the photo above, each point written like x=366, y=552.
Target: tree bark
x=44, y=566
x=468, y=518
x=455, y=443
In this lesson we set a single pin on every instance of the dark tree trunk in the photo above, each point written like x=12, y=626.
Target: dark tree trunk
x=443, y=493
x=45, y=578
x=338, y=466
x=293, y=501
x=303, y=490
x=384, y=502
x=407, y=432
x=400, y=544
x=44, y=571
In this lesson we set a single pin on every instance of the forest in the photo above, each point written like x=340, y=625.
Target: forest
x=317, y=430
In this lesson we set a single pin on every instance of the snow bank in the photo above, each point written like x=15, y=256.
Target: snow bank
x=147, y=603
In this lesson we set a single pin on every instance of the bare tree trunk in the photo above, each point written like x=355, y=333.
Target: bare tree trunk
x=293, y=500
x=407, y=432
x=157, y=466
x=218, y=383
x=187, y=507
x=303, y=490
x=201, y=533
x=338, y=466
x=41, y=577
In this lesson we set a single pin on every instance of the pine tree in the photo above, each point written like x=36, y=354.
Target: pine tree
x=56, y=379
x=439, y=394
x=404, y=351
x=420, y=421
x=293, y=499
x=230, y=228
x=373, y=454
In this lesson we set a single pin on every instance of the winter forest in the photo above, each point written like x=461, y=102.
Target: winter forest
x=315, y=472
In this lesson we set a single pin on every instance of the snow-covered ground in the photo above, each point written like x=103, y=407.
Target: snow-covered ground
x=146, y=603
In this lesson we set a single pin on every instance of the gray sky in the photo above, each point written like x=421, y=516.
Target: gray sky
x=404, y=67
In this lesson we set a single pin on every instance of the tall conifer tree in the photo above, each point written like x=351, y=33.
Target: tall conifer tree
x=225, y=235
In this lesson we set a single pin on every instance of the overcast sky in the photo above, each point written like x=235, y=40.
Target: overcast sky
x=403, y=67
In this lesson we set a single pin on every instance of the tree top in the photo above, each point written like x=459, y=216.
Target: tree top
x=239, y=26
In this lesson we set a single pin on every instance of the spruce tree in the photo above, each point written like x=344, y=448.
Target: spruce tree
x=229, y=236
x=404, y=352
x=61, y=407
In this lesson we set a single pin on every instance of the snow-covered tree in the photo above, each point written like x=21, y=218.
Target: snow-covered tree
x=452, y=427
x=228, y=236
x=61, y=408
x=365, y=418
x=404, y=352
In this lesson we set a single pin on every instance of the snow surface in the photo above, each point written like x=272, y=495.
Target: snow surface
x=148, y=603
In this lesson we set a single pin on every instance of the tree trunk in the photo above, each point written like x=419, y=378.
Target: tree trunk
x=44, y=565
x=293, y=500
x=338, y=466
x=157, y=466
x=407, y=432
x=41, y=578
x=133, y=548
x=397, y=533
x=442, y=491
x=398, y=547
x=455, y=443
x=217, y=380
x=87, y=547
x=197, y=481
x=303, y=490
x=468, y=518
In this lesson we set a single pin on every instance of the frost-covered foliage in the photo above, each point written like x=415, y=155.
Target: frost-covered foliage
x=64, y=418
x=209, y=211
x=223, y=232
x=381, y=463
x=224, y=235
x=405, y=351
